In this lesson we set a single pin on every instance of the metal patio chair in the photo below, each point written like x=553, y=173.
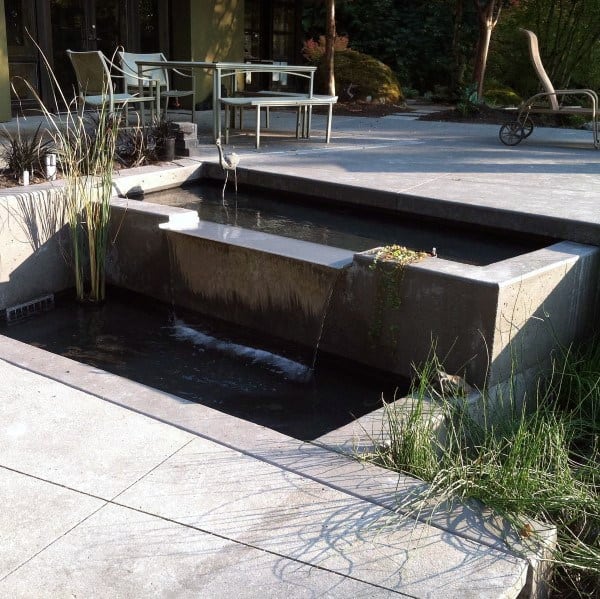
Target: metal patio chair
x=550, y=101
x=95, y=75
x=153, y=76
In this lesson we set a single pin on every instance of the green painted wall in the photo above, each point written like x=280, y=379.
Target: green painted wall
x=4, y=76
x=217, y=34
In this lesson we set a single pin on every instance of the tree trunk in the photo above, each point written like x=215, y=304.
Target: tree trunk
x=458, y=57
x=329, y=42
x=488, y=13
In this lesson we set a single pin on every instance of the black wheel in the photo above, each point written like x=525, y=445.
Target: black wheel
x=511, y=133
x=527, y=127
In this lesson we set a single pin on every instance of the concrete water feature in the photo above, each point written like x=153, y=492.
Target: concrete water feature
x=488, y=322
x=444, y=171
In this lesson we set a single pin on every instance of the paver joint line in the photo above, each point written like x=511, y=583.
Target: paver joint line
x=177, y=523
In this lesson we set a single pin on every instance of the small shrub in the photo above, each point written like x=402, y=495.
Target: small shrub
x=24, y=151
x=314, y=50
x=135, y=147
x=501, y=96
x=161, y=130
x=468, y=105
x=364, y=77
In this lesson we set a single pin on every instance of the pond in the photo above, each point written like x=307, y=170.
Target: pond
x=349, y=227
x=220, y=365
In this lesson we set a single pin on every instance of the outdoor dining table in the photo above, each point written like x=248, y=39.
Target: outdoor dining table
x=223, y=70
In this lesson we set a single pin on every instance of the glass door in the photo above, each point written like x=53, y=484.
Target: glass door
x=61, y=25
x=23, y=61
x=85, y=25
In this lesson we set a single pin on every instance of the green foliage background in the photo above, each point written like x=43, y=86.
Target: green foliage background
x=430, y=45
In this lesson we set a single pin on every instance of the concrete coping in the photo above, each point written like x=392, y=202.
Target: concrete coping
x=297, y=249
x=504, y=272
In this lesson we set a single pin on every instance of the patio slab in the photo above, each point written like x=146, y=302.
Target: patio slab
x=202, y=516
x=286, y=519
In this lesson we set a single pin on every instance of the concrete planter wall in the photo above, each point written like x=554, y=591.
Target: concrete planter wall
x=34, y=245
x=488, y=322
x=485, y=321
x=34, y=237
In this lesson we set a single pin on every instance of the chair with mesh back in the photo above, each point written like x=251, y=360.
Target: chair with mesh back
x=153, y=75
x=95, y=76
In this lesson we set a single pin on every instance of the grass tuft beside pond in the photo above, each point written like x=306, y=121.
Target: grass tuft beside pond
x=540, y=464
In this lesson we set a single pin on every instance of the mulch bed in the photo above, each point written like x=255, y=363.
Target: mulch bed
x=368, y=109
x=480, y=114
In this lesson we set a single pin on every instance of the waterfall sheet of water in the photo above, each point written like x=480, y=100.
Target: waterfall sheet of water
x=290, y=369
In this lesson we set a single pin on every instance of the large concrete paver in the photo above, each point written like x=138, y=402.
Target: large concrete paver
x=198, y=518
x=58, y=433
x=33, y=514
x=122, y=553
x=228, y=493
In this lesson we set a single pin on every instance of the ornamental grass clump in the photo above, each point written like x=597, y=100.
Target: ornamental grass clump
x=85, y=146
x=23, y=151
x=86, y=152
x=541, y=465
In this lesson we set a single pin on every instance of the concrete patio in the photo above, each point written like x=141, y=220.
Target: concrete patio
x=114, y=489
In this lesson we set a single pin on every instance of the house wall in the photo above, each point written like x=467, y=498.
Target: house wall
x=4, y=76
x=217, y=34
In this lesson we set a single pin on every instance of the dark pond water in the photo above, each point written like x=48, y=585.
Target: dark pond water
x=344, y=227
x=209, y=362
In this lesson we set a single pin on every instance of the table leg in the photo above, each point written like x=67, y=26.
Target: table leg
x=216, y=104
x=329, y=116
x=227, y=123
x=257, y=127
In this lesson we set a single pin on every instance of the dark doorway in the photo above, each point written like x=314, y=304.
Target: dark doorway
x=61, y=25
x=85, y=25
x=271, y=34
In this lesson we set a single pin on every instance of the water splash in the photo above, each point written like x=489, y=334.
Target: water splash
x=292, y=370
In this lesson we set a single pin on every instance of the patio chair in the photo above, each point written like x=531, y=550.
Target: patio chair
x=153, y=76
x=548, y=102
x=95, y=75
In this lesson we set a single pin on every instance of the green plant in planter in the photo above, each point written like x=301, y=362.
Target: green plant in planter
x=23, y=151
x=163, y=131
x=86, y=150
x=390, y=262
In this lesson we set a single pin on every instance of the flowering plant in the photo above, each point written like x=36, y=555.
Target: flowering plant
x=313, y=50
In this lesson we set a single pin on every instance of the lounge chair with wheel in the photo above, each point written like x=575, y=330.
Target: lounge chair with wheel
x=153, y=76
x=95, y=75
x=550, y=101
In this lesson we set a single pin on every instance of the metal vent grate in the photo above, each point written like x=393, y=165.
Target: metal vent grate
x=35, y=306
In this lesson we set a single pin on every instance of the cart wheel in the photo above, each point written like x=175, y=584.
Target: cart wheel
x=527, y=127
x=511, y=133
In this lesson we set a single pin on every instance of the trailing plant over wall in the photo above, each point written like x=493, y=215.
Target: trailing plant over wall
x=390, y=262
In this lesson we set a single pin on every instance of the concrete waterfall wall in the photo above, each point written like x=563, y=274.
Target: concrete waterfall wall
x=485, y=321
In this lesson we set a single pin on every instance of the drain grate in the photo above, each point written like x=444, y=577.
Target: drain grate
x=35, y=306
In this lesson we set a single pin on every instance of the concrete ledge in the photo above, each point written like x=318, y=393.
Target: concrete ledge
x=145, y=179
